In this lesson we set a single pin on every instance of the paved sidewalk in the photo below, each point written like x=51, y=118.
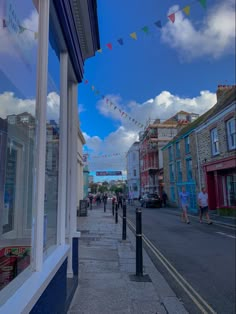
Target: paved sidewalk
x=105, y=265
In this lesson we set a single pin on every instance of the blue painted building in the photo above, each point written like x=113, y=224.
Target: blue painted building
x=44, y=44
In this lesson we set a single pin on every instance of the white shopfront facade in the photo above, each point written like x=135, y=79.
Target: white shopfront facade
x=45, y=44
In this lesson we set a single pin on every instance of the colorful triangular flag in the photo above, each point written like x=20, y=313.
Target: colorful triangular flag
x=203, y=3
x=158, y=24
x=120, y=41
x=21, y=29
x=109, y=46
x=99, y=50
x=187, y=10
x=145, y=29
x=86, y=82
x=172, y=17
x=133, y=35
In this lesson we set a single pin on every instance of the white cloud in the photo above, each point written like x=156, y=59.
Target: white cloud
x=14, y=105
x=162, y=106
x=215, y=36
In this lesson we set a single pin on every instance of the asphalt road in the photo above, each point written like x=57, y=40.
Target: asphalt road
x=204, y=255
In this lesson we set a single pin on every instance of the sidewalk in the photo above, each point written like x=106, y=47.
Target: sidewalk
x=105, y=265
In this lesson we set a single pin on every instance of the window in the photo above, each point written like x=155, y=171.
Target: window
x=172, y=193
x=134, y=172
x=214, y=142
x=231, y=133
x=171, y=169
x=18, y=60
x=189, y=169
x=179, y=171
x=187, y=146
x=170, y=152
x=177, y=149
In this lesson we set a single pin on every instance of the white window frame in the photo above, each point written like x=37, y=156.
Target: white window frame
x=231, y=133
x=214, y=142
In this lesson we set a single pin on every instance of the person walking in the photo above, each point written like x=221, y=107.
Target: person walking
x=164, y=198
x=184, y=204
x=203, y=205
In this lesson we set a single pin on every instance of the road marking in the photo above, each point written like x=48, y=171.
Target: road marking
x=196, y=298
x=226, y=235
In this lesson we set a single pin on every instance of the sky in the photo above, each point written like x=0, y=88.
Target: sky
x=164, y=70
x=156, y=58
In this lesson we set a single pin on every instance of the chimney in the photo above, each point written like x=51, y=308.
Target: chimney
x=222, y=89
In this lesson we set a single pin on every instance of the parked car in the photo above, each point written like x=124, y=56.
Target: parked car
x=150, y=200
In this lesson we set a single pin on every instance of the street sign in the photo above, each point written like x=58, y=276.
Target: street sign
x=108, y=173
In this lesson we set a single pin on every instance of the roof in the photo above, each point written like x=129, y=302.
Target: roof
x=225, y=100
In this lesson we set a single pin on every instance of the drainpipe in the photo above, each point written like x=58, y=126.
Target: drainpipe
x=198, y=163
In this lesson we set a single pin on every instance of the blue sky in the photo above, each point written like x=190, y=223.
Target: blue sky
x=176, y=67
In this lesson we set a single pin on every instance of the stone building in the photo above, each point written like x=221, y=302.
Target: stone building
x=133, y=171
x=203, y=153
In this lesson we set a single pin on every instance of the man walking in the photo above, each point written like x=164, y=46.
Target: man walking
x=203, y=205
x=184, y=204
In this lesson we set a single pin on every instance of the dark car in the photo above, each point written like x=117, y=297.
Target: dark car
x=150, y=200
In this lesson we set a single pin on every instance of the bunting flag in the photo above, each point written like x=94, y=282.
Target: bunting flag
x=109, y=46
x=110, y=103
x=203, y=3
x=21, y=29
x=4, y=24
x=172, y=17
x=145, y=29
x=133, y=35
x=99, y=50
x=158, y=24
x=186, y=10
x=120, y=41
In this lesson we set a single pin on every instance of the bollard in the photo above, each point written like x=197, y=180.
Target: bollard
x=124, y=222
x=104, y=207
x=139, y=248
x=113, y=208
x=116, y=213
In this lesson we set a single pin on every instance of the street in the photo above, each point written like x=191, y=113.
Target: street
x=197, y=260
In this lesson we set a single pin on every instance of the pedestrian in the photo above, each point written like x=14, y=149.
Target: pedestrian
x=203, y=205
x=90, y=201
x=184, y=204
x=120, y=200
x=164, y=198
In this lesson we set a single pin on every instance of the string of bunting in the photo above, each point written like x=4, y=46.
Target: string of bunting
x=108, y=155
x=146, y=29
x=115, y=107
x=17, y=28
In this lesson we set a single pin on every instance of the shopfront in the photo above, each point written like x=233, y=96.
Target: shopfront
x=41, y=64
x=221, y=183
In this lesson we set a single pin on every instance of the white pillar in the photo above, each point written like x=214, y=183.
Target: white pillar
x=72, y=169
x=40, y=143
x=62, y=181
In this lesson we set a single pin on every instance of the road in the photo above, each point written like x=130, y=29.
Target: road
x=202, y=256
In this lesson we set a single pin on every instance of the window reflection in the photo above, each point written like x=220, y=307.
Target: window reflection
x=18, y=55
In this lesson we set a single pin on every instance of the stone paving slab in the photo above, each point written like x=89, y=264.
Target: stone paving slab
x=105, y=265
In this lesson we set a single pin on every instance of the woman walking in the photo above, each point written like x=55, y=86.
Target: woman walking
x=184, y=204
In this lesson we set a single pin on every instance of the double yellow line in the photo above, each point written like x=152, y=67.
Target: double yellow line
x=203, y=306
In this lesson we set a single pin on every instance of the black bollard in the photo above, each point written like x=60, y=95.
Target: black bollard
x=139, y=246
x=104, y=207
x=116, y=213
x=113, y=208
x=124, y=222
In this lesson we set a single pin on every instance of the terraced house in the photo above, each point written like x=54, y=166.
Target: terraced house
x=203, y=153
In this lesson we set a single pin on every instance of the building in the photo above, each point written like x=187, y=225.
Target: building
x=44, y=45
x=216, y=139
x=133, y=171
x=155, y=136
x=203, y=154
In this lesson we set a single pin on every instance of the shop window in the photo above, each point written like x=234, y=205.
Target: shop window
x=135, y=173
x=231, y=133
x=18, y=59
x=187, y=144
x=231, y=189
x=214, y=142
x=52, y=141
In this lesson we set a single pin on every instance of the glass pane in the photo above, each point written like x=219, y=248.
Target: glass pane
x=18, y=59
x=52, y=144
